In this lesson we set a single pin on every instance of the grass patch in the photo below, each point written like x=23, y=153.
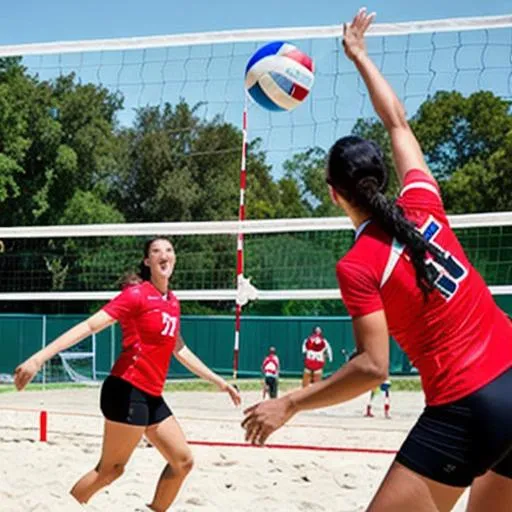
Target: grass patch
x=406, y=384
x=398, y=384
x=9, y=388
x=243, y=385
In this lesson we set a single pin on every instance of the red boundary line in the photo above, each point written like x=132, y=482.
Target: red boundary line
x=381, y=451
x=227, y=444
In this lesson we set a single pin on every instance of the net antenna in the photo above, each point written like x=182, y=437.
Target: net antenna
x=243, y=286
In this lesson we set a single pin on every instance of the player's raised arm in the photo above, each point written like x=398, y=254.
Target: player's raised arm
x=407, y=153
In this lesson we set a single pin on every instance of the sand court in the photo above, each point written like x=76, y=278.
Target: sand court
x=329, y=460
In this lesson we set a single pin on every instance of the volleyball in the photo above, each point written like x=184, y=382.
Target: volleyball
x=279, y=76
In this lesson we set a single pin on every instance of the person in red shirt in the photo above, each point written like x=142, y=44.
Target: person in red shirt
x=316, y=350
x=270, y=369
x=407, y=275
x=131, y=396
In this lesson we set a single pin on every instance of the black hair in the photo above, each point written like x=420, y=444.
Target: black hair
x=144, y=271
x=356, y=170
x=129, y=279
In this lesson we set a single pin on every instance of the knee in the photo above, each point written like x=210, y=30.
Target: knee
x=183, y=466
x=111, y=472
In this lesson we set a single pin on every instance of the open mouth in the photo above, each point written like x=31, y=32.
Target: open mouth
x=164, y=265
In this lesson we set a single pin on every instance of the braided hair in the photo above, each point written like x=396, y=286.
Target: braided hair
x=356, y=171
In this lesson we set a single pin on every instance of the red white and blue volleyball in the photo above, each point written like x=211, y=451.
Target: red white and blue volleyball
x=279, y=76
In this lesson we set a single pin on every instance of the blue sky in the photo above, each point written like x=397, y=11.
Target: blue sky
x=416, y=66
x=50, y=20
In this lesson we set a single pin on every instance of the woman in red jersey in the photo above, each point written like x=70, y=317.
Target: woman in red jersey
x=131, y=396
x=407, y=275
x=316, y=350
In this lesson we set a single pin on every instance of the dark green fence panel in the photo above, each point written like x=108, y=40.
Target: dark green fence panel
x=20, y=336
x=210, y=337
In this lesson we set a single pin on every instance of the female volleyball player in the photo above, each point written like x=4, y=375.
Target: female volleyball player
x=131, y=397
x=316, y=350
x=407, y=275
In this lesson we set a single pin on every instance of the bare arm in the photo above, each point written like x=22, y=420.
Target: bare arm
x=26, y=371
x=407, y=152
x=365, y=371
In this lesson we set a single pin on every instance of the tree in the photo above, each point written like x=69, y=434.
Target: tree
x=307, y=169
x=454, y=130
x=178, y=167
x=55, y=137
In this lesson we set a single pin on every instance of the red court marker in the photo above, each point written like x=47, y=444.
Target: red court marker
x=43, y=426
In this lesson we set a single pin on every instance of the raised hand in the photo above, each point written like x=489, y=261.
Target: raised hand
x=353, y=33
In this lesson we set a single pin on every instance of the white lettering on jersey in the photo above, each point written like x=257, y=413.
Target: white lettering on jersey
x=170, y=323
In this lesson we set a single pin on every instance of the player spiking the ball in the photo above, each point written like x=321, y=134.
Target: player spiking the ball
x=407, y=275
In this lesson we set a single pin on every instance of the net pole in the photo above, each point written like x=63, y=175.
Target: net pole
x=43, y=345
x=94, y=356
x=240, y=240
x=112, y=344
x=43, y=415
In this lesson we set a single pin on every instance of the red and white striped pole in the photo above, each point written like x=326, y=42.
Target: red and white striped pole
x=240, y=241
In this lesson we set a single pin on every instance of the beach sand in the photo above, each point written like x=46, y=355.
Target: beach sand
x=37, y=476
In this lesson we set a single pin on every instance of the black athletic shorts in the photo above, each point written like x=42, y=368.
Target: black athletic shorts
x=456, y=442
x=271, y=382
x=122, y=402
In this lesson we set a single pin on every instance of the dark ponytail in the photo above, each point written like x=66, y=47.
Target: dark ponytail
x=391, y=219
x=356, y=170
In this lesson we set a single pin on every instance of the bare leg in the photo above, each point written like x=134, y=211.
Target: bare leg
x=306, y=378
x=170, y=441
x=119, y=441
x=369, y=413
x=404, y=490
x=490, y=492
x=317, y=376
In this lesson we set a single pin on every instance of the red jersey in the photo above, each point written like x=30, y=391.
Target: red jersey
x=150, y=323
x=315, y=349
x=270, y=365
x=459, y=340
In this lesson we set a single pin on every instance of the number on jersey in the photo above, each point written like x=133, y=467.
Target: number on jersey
x=170, y=323
x=450, y=272
x=315, y=355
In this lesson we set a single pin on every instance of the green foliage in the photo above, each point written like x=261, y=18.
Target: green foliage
x=65, y=160
x=454, y=130
x=85, y=207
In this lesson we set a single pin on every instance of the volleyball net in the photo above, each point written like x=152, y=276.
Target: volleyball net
x=152, y=124
x=286, y=260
